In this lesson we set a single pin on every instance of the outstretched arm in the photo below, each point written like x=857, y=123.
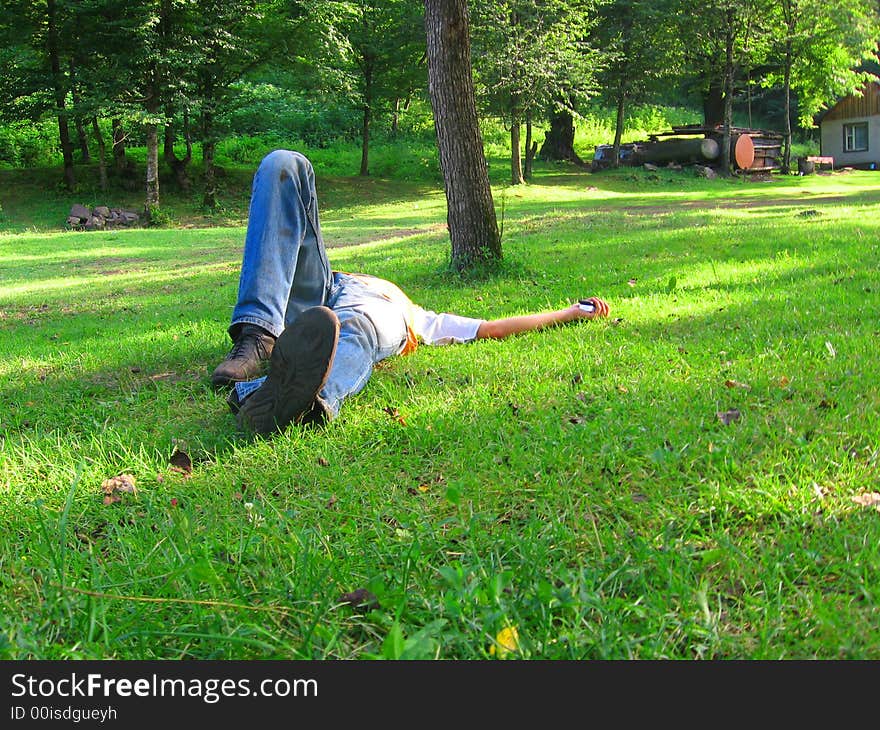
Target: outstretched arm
x=500, y=328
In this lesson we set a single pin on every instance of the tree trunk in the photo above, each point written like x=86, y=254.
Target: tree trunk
x=682, y=151
x=473, y=227
x=82, y=137
x=209, y=145
x=619, y=121
x=559, y=141
x=785, y=168
x=713, y=104
x=152, y=200
x=177, y=164
x=367, y=116
x=118, y=146
x=102, y=154
x=209, y=199
x=516, y=172
x=169, y=135
x=531, y=148
x=395, y=118
x=152, y=128
x=60, y=94
x=729, y=18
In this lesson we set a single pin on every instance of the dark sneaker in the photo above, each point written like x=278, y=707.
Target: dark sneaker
x=252, y=348
x=298, y=370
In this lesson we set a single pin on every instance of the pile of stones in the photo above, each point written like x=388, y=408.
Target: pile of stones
x=100, y=218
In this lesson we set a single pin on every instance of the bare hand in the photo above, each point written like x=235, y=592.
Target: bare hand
x=601, y=309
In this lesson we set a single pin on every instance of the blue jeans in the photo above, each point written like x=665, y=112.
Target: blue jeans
x=285, y=271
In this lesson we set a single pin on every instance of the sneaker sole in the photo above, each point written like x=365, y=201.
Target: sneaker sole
x=298, y=369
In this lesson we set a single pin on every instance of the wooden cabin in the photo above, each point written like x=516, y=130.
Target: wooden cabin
x=850, y=130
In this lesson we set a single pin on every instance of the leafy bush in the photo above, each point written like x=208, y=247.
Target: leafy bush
x=405, y=160
x=266, y=109
x=29, y=144
x=247, y=150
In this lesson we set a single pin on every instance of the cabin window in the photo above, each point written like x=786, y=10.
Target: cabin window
x=855, y=137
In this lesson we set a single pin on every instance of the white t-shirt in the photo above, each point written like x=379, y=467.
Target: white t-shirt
x=423, y=325
x=444, y=328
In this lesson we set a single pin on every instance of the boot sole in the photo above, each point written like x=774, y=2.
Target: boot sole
x=298, y=369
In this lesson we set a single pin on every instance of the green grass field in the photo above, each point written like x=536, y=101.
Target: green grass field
x=694, y=478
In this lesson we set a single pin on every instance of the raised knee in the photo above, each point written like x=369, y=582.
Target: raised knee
x=286, y=163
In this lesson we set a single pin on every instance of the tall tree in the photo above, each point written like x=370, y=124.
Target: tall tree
x=60, y=86
x=380, y=56
x=820, y=45
x=716, y=40
x=473, y=227
x=529, y=54
x=639, y=52
x=231, y=40
x=34, y=82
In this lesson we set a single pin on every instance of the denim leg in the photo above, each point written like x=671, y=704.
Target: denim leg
x=371, y=328
x=284, y=268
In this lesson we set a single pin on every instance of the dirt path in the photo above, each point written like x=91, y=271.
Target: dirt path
x=641, y=210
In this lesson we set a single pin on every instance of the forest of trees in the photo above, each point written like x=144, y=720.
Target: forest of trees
x=167, y=73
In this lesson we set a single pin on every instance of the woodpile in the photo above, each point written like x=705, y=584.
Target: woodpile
x=100, y=218
x=751, y=150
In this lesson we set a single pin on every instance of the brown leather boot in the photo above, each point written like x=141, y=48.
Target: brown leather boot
x=246, y=359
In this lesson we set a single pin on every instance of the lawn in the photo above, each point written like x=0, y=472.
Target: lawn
x=695, y=477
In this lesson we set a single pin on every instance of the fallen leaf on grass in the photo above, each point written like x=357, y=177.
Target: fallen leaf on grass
x=361, y=600
x=395, y=414
x=736, y=384
x=322, y=461
x=506, y=642
x=868, y=499
x=115, y=487
x=784, y=381
x=729, y=416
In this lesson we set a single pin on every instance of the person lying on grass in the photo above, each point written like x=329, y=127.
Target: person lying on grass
x=321, y=330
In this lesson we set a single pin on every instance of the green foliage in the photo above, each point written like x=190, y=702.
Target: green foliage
x=28, y=144
x=158, y=217
x=532, y=54
x=827, y=42
x=265, y=109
